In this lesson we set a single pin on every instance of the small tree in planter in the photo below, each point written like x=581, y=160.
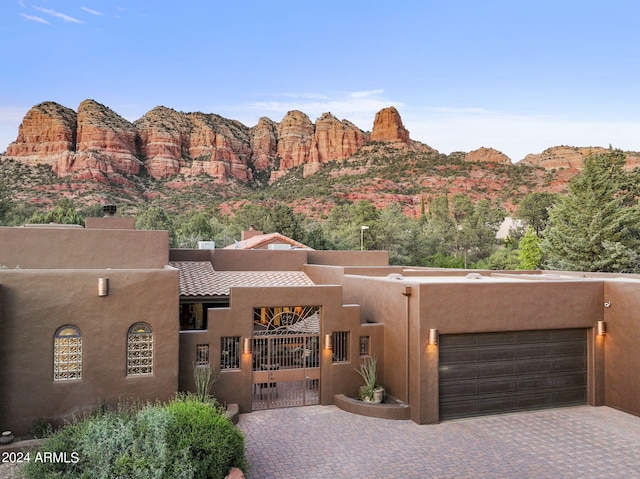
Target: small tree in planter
x=370, y=391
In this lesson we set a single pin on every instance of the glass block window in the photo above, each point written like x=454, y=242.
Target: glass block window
x=140, y=350
x=230, y=352
x=202, y=354
x=341, y=346
x=364, y=346
x=67, y=354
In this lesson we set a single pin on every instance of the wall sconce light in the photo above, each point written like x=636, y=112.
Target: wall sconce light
x=103, y=286
x=246, y=345
x=602, y=328
x=328, y=341
x=433, y=337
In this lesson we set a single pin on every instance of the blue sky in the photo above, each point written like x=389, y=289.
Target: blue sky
x=513, y=75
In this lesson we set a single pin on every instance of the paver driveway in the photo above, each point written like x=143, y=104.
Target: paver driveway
x=326, y=442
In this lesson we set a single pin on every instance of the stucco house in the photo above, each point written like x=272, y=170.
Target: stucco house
x=105, y=313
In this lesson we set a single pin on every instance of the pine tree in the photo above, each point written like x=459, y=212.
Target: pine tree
x=596, y=227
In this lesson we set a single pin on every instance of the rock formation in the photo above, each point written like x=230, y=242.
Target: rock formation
x=264, y=144
x=48, y=130
x=295, y=135
x=488, y=155
x=388, y=127
x=97, y=141
x=571, y=158
x=105, y=142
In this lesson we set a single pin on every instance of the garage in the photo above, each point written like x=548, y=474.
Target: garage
x=490, y=373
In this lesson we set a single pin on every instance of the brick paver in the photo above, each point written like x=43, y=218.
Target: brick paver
x=326, y=442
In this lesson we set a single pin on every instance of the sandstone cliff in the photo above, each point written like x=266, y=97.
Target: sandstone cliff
x=166, y=142
x=388, y=127
x=487, y=155
x=571, y=158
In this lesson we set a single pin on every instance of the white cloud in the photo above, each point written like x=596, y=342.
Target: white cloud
x=56, y=14
x=92, y=12
x=33, y=18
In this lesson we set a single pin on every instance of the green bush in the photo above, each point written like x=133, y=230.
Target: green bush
x=186, y=439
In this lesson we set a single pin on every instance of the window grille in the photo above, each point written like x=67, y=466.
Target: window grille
x=364, y=346
x=140, y=350
x=67, y=354
x=202, y=354
x=341, y=346
x=230, y=352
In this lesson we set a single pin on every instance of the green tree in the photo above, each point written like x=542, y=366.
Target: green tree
x=156, y=218
x=281, y=219
x=195, y=227
x=596, y=227
x=529, y=252
x=65, y=212
x=534, y=209
x=5, y=201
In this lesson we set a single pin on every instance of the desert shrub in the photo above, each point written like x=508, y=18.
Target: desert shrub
x=201, y=436
x=186, y=439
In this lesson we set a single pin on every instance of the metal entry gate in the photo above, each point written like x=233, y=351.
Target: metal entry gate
x=286, y=370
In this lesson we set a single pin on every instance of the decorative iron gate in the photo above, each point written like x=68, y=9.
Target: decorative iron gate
x=286, y=357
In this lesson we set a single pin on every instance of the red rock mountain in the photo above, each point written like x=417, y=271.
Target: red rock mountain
x=388, y=127
x=96, y=140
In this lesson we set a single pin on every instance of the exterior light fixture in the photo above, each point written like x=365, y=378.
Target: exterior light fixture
x=362, y=228
x=433, y=337
x=328, y=341
x=601, y=328
x=246, y=345
x=103, y=286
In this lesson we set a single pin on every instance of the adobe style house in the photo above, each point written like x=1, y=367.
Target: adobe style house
x=107, y=313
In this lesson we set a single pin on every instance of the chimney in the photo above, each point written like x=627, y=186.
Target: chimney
x=250, y=233
x=109, y=210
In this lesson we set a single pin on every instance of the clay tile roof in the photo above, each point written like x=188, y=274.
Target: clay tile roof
x=261, y=240
x=198, y=278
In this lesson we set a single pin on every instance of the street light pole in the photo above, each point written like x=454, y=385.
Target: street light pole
x=362, y=228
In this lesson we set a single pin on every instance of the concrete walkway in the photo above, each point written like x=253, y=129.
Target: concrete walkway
x=326, y=442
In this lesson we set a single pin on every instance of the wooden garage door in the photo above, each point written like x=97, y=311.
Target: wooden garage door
x=491, y=373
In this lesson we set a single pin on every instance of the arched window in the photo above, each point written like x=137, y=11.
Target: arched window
x=140, y=350
x=67, y=354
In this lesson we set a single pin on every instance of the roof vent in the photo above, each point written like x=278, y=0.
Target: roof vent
x=396, y=276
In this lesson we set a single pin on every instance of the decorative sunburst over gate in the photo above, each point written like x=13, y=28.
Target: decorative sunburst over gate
x=286, y=320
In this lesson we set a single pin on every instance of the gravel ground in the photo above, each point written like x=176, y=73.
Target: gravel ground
x=11, y=470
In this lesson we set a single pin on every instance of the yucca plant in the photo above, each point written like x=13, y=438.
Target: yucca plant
x=204, y=377
x=368, y=372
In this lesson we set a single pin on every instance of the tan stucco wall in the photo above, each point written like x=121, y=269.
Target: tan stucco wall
x=67, y=248
x=35, y=303
x=622, y=346
x=458, y=307
x=349, y=258
x=258, y=260
x=394, y=304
